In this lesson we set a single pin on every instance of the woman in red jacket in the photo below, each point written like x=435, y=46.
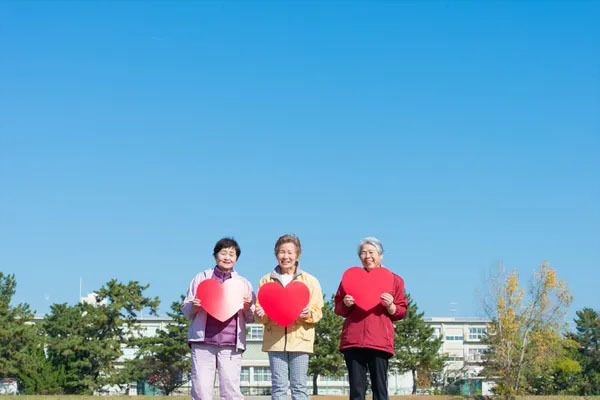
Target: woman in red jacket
x=368, y=336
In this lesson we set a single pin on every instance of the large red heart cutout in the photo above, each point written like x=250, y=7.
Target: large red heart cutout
x=283, y=304
x=221, y=300
x=367, y=287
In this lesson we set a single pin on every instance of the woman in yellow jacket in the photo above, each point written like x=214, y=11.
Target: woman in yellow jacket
x=289, y=347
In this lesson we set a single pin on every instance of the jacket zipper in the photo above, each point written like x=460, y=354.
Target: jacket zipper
x=285, y=329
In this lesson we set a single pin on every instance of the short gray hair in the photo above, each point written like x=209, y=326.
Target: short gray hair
x=373, y=241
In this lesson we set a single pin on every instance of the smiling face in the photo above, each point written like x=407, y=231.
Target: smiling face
x=287, y=255
x=369, y=257
x=226, y=258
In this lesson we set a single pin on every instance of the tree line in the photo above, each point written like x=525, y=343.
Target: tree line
x=76, y=348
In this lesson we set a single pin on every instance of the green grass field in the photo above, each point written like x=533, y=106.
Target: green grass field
x=416, y=397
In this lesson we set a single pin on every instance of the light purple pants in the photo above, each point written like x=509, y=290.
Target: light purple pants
x=206, y=358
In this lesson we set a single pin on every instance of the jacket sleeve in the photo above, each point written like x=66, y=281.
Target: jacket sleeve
x=258, y=319
x=187, y=307
x=315, y=303
x=340, y=308
x=399, y=299
x=249, y=314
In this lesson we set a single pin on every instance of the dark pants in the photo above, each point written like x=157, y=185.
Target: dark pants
x=358, y=359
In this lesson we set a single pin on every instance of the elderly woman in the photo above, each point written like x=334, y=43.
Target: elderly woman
x=216, y=345
x=368, y=336
x=289, y=347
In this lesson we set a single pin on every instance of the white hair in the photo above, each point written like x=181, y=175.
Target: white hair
x=373, y=241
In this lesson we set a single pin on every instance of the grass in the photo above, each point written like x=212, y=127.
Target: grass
x=415, y=397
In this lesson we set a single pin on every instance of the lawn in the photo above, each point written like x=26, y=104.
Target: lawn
x=416, y=397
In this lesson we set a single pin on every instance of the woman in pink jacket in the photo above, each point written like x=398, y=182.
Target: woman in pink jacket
x=217, y=346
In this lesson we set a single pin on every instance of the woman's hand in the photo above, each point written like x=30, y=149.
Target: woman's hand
x=247, y=303
x=260, y=313
x=196, y=305
x=305, y=313
x=348, y=300
x=388, y=302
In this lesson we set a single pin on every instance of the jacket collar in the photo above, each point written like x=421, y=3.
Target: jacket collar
x=223, y=275
x=277, y=275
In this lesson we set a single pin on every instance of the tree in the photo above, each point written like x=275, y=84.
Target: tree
x=86, y=339
x=327, y=359
x=559, y=373
x=416, y=349
x=523, y=335
x=164, y=360
x=17, y=334
x=587, y=337
x=39, y=376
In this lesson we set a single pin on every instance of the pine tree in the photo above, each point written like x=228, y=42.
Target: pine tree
x=86, y=339
x=327, y=359
x=17, y=334
x=164, y=360
x=587, y=336
x=416, y=349
x=39, y=376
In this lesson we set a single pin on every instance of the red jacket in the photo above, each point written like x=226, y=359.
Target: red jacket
x=374, y=328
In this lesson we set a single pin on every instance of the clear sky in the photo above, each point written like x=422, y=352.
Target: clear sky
x=133, y=135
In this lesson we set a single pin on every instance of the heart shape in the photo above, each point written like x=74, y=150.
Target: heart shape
x=221, y=300
x=367, y=287
x=283, y=304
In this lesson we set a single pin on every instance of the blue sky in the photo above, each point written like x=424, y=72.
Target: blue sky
x=135, y=135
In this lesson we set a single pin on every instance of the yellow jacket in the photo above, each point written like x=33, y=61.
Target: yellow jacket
x=300, y=335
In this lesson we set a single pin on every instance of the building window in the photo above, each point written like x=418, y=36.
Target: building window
x=245, y=375
x=477, y=333
x=262, y=374
x=476, y=354
x=455, y=358
x=255, y=332
x=454, y=338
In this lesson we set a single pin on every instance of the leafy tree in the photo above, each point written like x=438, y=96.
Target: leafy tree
x=17, y=334
x=164, y=360
x=587, y=337
x=523, y=335
x=327, y=359
x=415, y=347
x=558, y=373
x=86, y=339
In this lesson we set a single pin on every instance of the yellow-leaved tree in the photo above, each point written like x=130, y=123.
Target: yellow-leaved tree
x=524, y=333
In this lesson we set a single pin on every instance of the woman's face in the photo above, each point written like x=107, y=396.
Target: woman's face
x=369, y=257
x=226, y=258
x=287, y=255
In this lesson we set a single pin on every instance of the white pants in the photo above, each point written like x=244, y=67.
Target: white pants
x=208, y=358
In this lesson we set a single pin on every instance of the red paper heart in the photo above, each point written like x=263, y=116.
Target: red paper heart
x=283, y=304
x=367, y=287
x=221, y=301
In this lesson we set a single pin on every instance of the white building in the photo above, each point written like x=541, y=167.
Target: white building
x=8, y=387
x=92, y=299
x=462, y=343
